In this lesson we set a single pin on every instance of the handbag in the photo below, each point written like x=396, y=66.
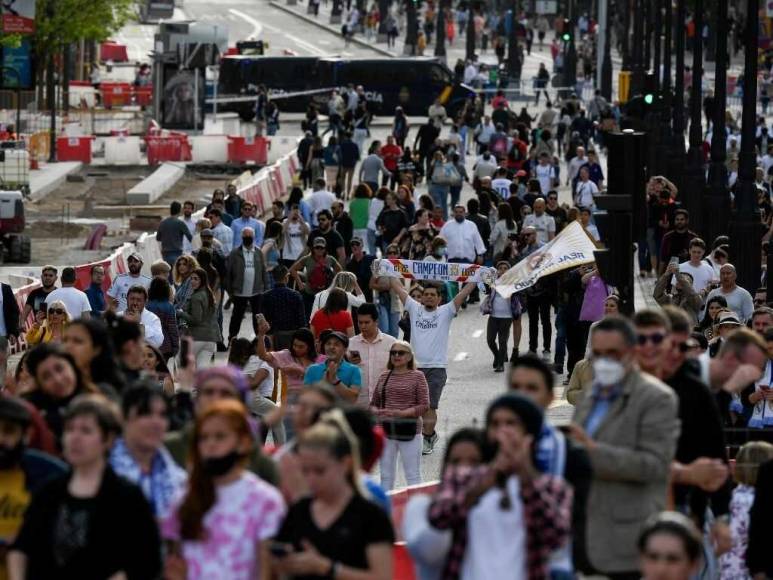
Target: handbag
x=396, y=428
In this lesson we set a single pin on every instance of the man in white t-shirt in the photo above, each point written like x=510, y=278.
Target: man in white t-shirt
x=77, y=303
x=542, y=222
x=430, y=326
x=586, y=191
x=135, y=311
x=702, y=274
x=260, y=375
x=501, y=184
x=116, y=294
x=320, y=199
x=545, y=173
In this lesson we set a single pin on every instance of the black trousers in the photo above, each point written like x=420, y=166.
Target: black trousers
x=497, y=335
x=538, y=308
x=240, y=307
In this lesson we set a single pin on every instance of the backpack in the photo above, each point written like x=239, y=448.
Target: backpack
x=320, y=276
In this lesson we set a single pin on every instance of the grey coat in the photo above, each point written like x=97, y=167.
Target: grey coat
x=201, y=318
x=234, y=278
x=635, y=444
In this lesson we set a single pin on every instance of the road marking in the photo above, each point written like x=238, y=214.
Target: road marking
x=257, y=28
x=460, y=357
x=478, y=333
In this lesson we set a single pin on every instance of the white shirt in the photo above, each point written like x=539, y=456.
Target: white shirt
x=321, y=299
x=502, y=186
x=701, y=274
x=153, y=333
x=254, y=364
x=191, y=223
x=544, y=224
x=74, y=300
x=463, y=239
x=574, y=166
x=429, y=333
x=121, y=286
x=374, y=358
x=586, y=191
x=294, y=242
x=470, y=72
x=496, y=539
x=485, y=167
x=249, y=272
x=318, y=201
x=545, y=174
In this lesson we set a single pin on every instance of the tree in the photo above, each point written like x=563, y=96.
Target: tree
x=62, y=22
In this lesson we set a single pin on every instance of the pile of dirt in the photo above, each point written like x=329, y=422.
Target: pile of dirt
x=52, y=229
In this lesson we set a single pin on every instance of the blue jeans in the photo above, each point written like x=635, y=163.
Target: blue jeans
x=456, y=191
x=371, y=242
x=439, y=195
x=171, y=257
x=387, y=321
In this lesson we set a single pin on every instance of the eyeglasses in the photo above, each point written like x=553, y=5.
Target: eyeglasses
x=655, y=338
x=663, y=557
x=55, y=311
x=398, y=352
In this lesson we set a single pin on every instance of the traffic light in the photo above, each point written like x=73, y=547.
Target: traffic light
x=567, y=28
x=626, y=166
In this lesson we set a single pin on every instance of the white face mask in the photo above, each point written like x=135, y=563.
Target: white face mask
x=608, y=372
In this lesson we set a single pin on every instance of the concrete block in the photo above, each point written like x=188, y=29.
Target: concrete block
x=155, y=185
x=122, y=150
x=51, y=176
x=222, y=124
x=209, y=148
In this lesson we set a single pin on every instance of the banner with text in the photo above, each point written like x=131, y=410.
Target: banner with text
x=569, y=249
x=438, y=271
x=18, y=16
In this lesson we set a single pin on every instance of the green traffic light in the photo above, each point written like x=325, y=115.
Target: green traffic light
x=566, y=36
x=648, y=99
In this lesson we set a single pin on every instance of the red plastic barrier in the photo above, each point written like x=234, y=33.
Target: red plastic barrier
x=74, y=149
x=143, y=96
x=80, y=83
x=174, y=147
x=83, y=275
x=116, y=94
x=113, y=51
x=403, y=565
x=248, y=150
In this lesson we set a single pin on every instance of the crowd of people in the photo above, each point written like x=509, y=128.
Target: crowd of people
x=226, y=452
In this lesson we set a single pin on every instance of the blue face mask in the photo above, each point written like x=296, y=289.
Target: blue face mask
x=441, y=251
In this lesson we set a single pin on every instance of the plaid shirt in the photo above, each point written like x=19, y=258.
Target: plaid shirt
x=547, y=509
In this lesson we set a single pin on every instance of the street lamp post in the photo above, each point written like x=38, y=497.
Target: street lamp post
x=746, y=230
x=606, y=63
x=695, y=179
x=665, y=106
x=718, y=201
x=440, y=38
x=637, y=64
x=677, y=156
x=513, y=54
x=626, y=40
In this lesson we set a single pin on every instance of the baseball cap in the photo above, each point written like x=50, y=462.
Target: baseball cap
x=328, y=334
x=206, y=233
x=136, y=256
x=320, y=243
x=357, y=240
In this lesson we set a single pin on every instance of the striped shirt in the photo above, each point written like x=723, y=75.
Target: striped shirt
x=403, y=391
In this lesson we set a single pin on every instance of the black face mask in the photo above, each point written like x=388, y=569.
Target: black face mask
x=247, y=242
x=10, y=456
x=217, y=466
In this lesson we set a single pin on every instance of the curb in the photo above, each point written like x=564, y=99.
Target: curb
x=329, y=28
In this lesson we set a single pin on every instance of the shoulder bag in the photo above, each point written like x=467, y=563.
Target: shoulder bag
x=396, y=428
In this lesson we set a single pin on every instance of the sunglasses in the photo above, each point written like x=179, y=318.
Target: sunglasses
x=55, y=311
x=655, y=338
x=397, y=352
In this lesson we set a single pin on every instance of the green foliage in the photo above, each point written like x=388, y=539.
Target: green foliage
x=59, y=22
x=10, y=40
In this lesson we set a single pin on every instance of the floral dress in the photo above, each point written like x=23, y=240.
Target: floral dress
x=733, y=563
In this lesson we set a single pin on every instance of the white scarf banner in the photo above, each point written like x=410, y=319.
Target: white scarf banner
x=437, y=271
x=569, y=249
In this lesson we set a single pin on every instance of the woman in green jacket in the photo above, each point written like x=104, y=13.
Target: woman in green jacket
x=201, y=315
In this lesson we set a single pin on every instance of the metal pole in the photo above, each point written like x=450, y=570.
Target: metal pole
x=570, y=62
x=196, y=99
x=627, y=6
x=440, y=38
x=606, y=66
x=746, y=230
x=637, y=76
x=656, y=65
x=718, y=199
x=695, y=178
x=677, y=156
x=601, y=40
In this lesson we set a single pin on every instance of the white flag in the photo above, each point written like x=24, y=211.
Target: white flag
x=569, y=249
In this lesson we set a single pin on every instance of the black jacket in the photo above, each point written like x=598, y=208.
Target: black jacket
x=11, y=313
x=701, y=435
x=759, y=557
x=121, y=534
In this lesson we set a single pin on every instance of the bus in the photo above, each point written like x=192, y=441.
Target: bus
x=412, y=83
x=152, y=11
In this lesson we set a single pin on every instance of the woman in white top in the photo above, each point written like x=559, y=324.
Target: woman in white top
x=505, y=227
x=347, y=282
x=376, y=205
